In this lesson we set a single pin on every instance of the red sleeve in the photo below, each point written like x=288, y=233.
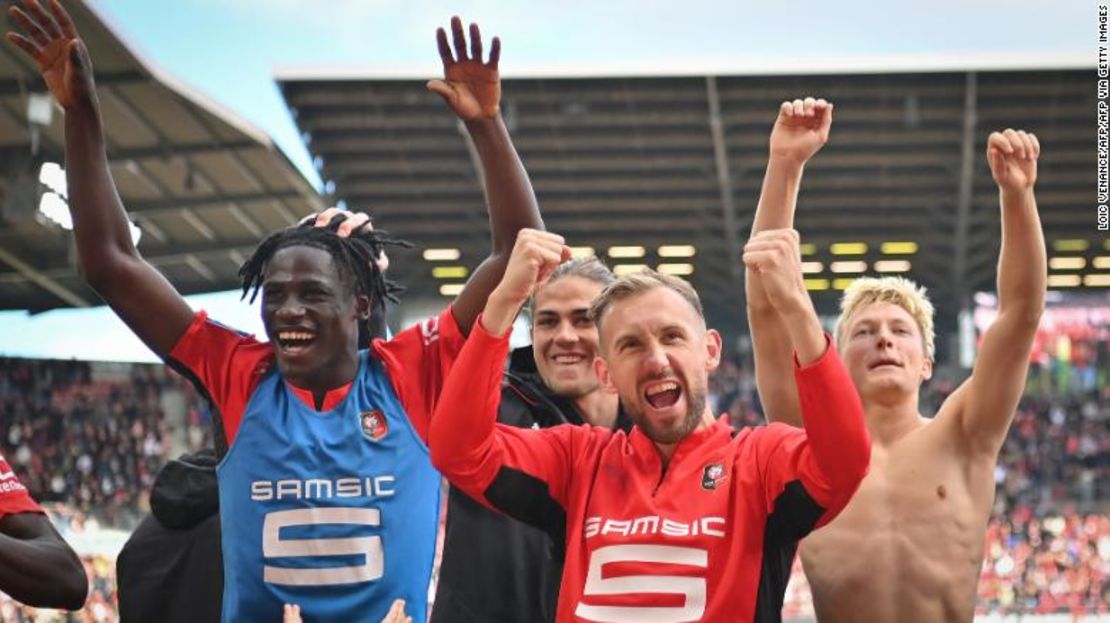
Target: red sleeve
x=14, y=498
x=831, y=457
x=225, y=363
x=418, y=360
x=471, y=449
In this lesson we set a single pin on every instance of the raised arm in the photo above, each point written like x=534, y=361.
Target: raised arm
x=106, y=256
x=988, y=401
x=800, y=131
x=832, y=457
x=472, y=89
x=500, y=465
x=37, y=567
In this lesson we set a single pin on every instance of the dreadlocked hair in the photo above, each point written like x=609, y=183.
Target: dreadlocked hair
x=354, y=258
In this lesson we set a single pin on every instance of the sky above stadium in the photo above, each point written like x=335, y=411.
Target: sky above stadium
x=229, y=50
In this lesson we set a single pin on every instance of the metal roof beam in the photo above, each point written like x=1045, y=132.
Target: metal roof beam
x=194, y=262
x=162, y=151
x=43, y=281
x=20, y=86
x=964, y=193
x=162, y=207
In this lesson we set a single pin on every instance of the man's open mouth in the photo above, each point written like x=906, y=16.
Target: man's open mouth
x=884, y=362
x=662, y=394
x=294, y=342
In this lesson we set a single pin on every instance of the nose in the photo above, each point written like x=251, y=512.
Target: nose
x=290, y=309
x=655, y=360
x=565, y=333
x=884, y=337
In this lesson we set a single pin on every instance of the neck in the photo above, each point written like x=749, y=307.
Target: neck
x=666, y=451
x=891, y=418
x=321, y=380
x=598, y=408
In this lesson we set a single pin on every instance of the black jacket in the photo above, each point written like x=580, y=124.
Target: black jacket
x=496, y=569
x=171, y=570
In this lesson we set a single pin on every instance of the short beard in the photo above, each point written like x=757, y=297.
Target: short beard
x=694, y=412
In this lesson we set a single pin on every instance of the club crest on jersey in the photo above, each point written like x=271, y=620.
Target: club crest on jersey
x=713, y=476
x=374, y=425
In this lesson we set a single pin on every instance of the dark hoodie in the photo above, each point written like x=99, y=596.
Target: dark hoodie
x=171, y=569
x=496, y=569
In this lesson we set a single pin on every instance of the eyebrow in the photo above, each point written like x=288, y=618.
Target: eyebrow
x=579, y=311
x=625, y=336
x=307, y=281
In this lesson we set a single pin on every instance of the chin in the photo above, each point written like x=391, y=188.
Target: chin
x=572, y=389
x=669, y=435
x=887, y=387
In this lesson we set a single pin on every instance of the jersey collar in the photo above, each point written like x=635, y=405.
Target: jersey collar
x=331, y=399
x=693, y=442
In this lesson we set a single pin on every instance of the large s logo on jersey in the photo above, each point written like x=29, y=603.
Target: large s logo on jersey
x=369, y=548
x=693, y=589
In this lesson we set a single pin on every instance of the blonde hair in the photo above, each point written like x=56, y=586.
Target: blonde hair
x=895, y=290
x=637, y=283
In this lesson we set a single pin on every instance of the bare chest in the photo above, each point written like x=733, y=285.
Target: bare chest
x=910, y=543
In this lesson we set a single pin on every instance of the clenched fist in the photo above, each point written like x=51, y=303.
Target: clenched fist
x=801, y=129
x=1012, y=155
x=535, y=256
x=775, y=255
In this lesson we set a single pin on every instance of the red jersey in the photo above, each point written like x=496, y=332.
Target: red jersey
x=709, y=538
x=14, y=498
x=227, y=365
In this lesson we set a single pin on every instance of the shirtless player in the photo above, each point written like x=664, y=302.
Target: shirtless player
x=909, y=546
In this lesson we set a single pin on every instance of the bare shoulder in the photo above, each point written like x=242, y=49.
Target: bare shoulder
x=953, y=433
x=941, y=437
x=952, y=412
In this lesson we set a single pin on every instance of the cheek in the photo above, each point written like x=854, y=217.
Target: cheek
x=912, y=346
x=541, y=340
x=588, y=340
x=621, y=376
x=341, y=311
x=852, y=356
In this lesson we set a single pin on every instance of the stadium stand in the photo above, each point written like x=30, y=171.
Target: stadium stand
x=87, y=439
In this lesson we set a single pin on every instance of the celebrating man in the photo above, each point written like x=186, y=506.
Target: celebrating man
x=909, y=545
x=327, y=497
x=682, y=519
x=549, y=383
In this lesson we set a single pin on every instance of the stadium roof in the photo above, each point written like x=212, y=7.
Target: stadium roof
x=203, y=185
x=803, y=64
x=654, y=161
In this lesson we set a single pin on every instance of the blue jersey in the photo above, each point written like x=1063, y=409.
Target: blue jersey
x=335, y=511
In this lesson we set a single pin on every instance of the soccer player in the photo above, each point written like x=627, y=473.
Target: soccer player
x=327, y=497
x=682, y=519
x=37, y=567
x=549, y=383
x=909, y=545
